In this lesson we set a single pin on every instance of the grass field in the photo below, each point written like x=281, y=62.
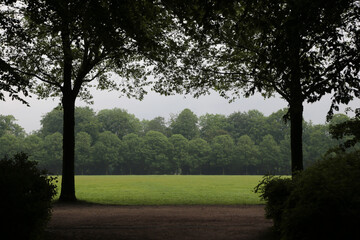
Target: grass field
x=167, y=190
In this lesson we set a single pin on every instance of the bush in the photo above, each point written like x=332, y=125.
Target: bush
x=323, y=201
x=275, y=191
x=25, y=200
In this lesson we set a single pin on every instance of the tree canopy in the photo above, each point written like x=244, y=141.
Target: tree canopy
x=300, y=50
x=74, y=45
x=12, y=82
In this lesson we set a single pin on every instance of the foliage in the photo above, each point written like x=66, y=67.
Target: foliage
x=52, y=122
x=51, y=152
x=180, y=152
x=268, y=150
x=9, y=145
x=212, y=125
x=185, y=124
x=246, y=153
x=118, y=121
x=199, y=153
x=301, y=50
x=11, y=81
x=75, y=45
x=321, y=202
x=132, y=154
x=26, y=195
x=222, y=150
x=349, y=130
x=8, y=126
x=269, y=154
x=106, y=153
x=274, y=191
x=156, y=124
x=156, y=151
x=82, y=152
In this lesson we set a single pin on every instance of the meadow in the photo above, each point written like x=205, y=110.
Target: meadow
x=167, y=190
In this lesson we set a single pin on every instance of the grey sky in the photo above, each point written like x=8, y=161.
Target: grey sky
x=155, y=105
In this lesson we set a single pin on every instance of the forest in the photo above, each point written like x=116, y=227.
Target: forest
x=113, y=141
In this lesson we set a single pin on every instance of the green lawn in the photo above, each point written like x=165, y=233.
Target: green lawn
x=167, y=190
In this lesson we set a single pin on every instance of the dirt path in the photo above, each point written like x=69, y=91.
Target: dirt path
x=151, y=222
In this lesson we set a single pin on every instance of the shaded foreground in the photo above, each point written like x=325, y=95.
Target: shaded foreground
x=158, y=222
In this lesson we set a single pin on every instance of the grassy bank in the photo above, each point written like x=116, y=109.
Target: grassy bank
x=167, y=190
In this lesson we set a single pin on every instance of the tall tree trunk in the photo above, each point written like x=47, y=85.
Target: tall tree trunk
x=296, y=95
x=68, y=178
x=68, y=101
x=296, y=130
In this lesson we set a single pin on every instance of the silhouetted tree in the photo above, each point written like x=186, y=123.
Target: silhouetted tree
x=77, y=44
x=301, y=50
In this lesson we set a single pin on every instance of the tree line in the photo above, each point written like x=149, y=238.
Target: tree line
x=114, y=141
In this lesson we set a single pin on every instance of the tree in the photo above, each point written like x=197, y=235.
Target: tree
x=277, y=126
x=246, y=153
x=156, y=152
x=52, y=122
x=199, y=153
x=85, y=121
x=11, y=81
x=8, y=125
x=222, y=151
x=156, y=124
x=347, y=129
x=51, y=154
x=251, y=123
x=185, y=124
x=106, y=153
x=119, y=122
x=269, y=155
x=317, y=142
x=132, y=153
x=10, y=145
x=212, y=125
x=180, y=155
x=74, y=43
x=297, y=49
x=32, y=146
x=285, y=155
x=82, y=152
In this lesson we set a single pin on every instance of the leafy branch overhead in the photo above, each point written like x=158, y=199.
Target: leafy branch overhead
x=74, y=45
x=240, y=47
x=300, y=50
x=96, y=38
x=11, y=82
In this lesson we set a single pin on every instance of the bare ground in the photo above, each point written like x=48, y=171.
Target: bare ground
x=90, y=222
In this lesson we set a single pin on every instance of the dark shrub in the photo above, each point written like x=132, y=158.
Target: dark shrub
x=275, y=191
x=25, y=198
x=323, y=202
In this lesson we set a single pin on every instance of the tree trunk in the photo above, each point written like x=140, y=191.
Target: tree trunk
x=68, y=178
x=296, y=95
x=296, y=130
x=68, y=101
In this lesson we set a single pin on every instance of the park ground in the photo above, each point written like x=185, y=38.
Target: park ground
x=105, y=222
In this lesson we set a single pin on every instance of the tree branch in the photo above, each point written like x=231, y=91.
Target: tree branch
x=41, y=78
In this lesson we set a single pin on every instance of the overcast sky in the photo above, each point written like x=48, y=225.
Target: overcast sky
x=155, y=105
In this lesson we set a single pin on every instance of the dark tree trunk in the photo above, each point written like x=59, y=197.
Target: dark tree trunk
x=68, y=172
x=296, y=95
x=68, y=101
x=296, y=130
